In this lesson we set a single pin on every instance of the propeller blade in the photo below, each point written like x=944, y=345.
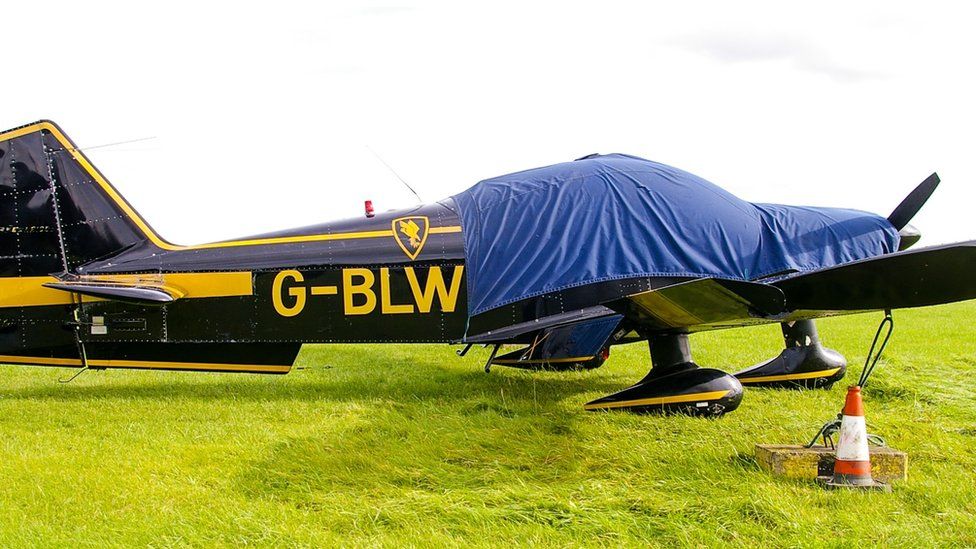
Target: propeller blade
x=913, y=202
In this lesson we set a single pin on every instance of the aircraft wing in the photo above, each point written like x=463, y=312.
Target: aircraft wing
x=580, y=338
x=916, y=278
x=705, y=303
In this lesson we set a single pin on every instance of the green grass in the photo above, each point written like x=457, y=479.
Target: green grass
x=391, y=445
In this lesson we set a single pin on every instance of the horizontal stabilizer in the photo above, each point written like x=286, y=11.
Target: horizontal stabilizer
x=706, y=303
x=928, y=276
x=139, y=294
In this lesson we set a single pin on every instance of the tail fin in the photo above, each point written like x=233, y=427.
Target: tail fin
x=57, y=213
x=56, y=210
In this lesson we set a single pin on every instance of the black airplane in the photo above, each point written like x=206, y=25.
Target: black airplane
x=564, y=261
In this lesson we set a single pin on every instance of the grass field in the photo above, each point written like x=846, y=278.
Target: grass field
x=391, y=445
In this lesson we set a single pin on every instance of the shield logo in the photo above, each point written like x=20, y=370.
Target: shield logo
x=411, y=234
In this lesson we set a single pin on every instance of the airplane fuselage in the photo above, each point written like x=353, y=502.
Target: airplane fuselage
x=565, y=260
x=396, y=277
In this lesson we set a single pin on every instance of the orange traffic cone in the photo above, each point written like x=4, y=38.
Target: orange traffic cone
x=852, y=468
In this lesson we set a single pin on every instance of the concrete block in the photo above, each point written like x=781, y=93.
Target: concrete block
x=791, y=461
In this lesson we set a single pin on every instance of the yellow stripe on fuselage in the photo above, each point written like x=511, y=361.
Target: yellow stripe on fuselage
x=160, y=242
x=145, y=364
x=315, y=238
x=28, y=291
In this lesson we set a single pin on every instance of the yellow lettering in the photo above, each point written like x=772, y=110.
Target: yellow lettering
x=364, y=288
x=435, y=285
x=386, y=305
x=297, y=292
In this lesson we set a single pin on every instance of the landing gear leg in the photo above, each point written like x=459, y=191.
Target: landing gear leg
x=804, y=363
x=675, y=384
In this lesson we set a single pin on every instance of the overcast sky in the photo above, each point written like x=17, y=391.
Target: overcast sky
x=264, y=114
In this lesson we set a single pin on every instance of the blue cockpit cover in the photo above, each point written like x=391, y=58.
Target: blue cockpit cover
x=617, y=216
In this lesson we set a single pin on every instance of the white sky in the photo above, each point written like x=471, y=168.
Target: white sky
x=263, y=111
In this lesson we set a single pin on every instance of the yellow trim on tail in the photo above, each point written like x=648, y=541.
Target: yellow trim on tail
x=145, y=364
x=106, y=186
x=159, y=241
x=654, y=401
x=788, y=377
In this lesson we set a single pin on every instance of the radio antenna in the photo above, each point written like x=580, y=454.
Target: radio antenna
x=402, y=180
x=113, y=144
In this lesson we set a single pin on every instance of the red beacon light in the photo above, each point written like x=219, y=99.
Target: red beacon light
x=369, y=208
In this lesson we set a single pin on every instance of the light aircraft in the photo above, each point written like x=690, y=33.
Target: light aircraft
x=565, y=261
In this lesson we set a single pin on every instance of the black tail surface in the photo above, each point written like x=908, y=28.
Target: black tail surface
x=57, y=213
x=56, y=210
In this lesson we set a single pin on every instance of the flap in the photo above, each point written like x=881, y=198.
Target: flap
x=704, y=303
